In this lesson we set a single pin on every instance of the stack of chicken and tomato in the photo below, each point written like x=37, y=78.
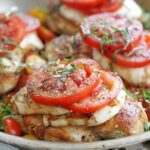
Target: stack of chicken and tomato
x=76, y=100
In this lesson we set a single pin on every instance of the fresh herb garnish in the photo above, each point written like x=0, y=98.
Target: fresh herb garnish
x=146, y=95
x=7, y=41
x=68, y=60
x=146, y=126
x=145, y=19
x=133, y=95
x=4, y=112
x=62, y=72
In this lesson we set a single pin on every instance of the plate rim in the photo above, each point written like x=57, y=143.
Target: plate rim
x=112, y=143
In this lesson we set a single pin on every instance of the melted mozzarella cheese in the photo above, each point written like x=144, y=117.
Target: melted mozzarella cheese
x=71, y=14
x=109, y=112
x=32, y=40
x=99, y=117
x=130, y=9
x=136, y=76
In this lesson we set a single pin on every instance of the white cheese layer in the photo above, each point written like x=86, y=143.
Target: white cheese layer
x=99, y=117
x=137, y=76
x=32, y=40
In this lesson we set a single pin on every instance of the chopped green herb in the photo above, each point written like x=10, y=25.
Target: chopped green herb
x=145, y=19
x=68, y=59
x=62, y=72
x=7, y=41
x=4, y=112
x=146, y=95
x=146, y=126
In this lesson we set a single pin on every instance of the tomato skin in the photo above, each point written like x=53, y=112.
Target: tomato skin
x=107, y=6
x=148, y=114
x=11, y=126
x=113, y=29
x=91, y=105
x=13, y=29
x=45, y=34
x=70, y=89
x=66, y=100
x=131, y=62
x=82, y=4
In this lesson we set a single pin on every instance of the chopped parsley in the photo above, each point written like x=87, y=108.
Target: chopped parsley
x=62, y=72
x=4, y=112
x=7, y=41
x=146, y=126
x=146, y=95
x=145, y=19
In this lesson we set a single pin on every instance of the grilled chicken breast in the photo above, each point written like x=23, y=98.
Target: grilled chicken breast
x=129, y=121
x=22, y=104
x=9, y=71
x=63, y=19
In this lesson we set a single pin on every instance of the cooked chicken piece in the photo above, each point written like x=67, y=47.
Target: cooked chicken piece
x=23, y=105
x=72, y=134
x=60, y=25
x=73, y=119
x=35, y=62
x=8, y=82
x=136, y=76
x=129, y=121
x=64, y=19
x=34, y=125
x=9, y=71
x=67, y=46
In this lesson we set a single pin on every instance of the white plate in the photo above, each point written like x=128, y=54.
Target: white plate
x=24, y=6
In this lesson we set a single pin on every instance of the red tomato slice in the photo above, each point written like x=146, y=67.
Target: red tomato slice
x=148, y=114
x=107, y=6
x=105, y=96
x=82, y=3
x=11, y=126
x=111, y=32
x=138, y=57
x=45, y=34
x=71, y=88
x=31, y=23
x=12, y=29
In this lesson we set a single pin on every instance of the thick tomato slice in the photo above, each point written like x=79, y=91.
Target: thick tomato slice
x=70, y=83
x=111, y=86
x=138, y=57
x=111, y=32
x=11, y=126
x=45, y=34
x=107, y=6
x=82, y=4
x=11, y=30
